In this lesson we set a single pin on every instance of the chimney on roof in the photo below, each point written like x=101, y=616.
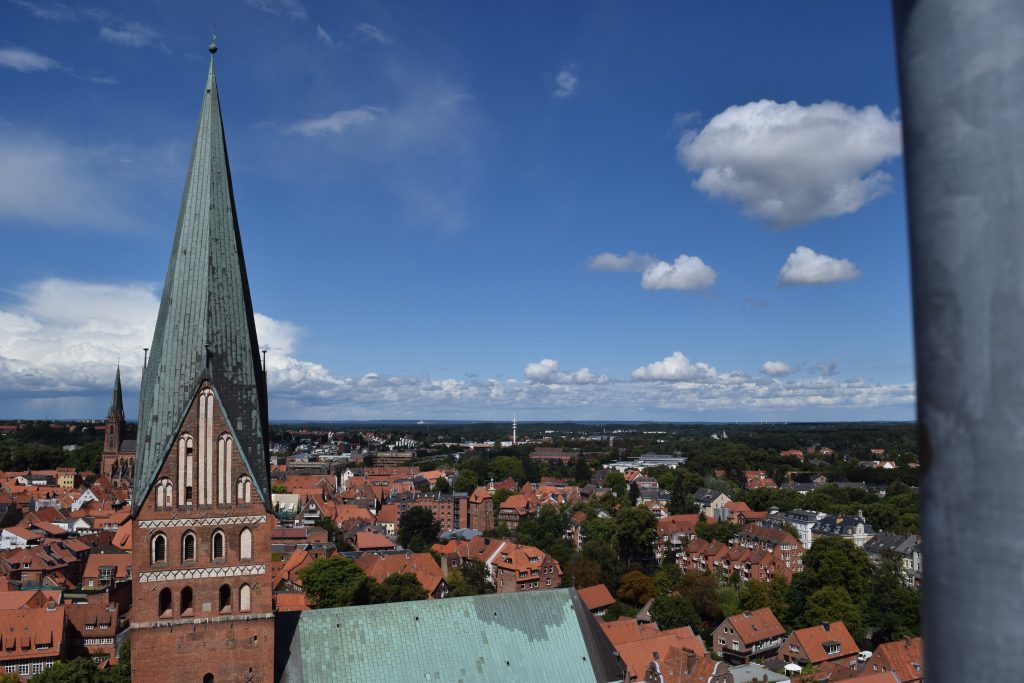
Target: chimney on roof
x=656, y=656
x=827, y=626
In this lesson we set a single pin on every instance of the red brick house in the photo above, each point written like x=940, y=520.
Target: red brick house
x=742, y=637
x=903, y=657
x=827, y=642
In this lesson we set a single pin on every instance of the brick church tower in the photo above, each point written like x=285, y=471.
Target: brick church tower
x=202, y=516
x=118, y=462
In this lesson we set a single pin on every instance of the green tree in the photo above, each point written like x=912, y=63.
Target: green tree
x=668, y=576
x=476, y=577
x=80, y=670
x=466, y=481
x=582, y=572
x=637, y=588
x=681, y=502
x=756, y=595
x=674, y=611
x=831, y=561
x=398, y=588
x=417, y=529
x=833, y=603
x=335, y=582
x=634, y=493
x=617, y=483
x=278, y=488
x=546, y=530
x=507, y=466
x=894, y=609
x=702, y=592
x=729, y=600
x=636, y=533
x=717, y=531
x=442, y=486
x=581, y=472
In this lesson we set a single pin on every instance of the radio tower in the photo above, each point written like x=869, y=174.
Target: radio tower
x=513, y=429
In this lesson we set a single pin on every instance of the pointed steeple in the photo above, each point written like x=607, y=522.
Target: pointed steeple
x=116, y=411
x=205, y=329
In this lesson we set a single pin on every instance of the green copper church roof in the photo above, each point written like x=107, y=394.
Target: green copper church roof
x=536, y=636
x=205, y=328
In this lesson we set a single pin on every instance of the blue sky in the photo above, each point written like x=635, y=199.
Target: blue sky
x=458, y=210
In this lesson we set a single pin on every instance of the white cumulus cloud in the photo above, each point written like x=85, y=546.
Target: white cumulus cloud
x=547, y=371
x=686, y=272
x=338, y=122
x=676, y=367
x=25, y=60
x=776, y=368
x=790, y=163
x=807, y=267
x=60, y=340
x=565, y=83
x=618, y=263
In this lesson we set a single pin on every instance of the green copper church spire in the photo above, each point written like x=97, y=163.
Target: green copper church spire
x=205, y=329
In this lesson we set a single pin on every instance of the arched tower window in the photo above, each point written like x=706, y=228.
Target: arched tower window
x=208, y=678
x=163, y=608
x=225, y=598
x=186, y=476
x=158, y=549
x=164, y=493
x=186, y=601
x=218, y=545
x=225, y=447
x=188, y=547
x=244, y=598
x=245, y=545
x=244, y=490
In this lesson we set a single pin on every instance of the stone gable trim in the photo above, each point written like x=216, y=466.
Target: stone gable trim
x=203, y=573
x=203, y=620
x=201, y=521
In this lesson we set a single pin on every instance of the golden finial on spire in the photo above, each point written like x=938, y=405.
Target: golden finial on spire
x=213, y=41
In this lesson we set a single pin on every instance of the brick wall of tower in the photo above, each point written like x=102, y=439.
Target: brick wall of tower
x=232, y=643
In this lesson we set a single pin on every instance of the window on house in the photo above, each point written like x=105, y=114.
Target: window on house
x=186, y=601
x=164, y=603
x=159, y=548
x=188, y=547
x=244, y=598
x=225, y=598
x=218, y=545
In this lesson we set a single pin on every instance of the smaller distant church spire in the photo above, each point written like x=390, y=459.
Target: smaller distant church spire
x=116, y=411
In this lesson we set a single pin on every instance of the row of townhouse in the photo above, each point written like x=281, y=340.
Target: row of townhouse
x=754, y=554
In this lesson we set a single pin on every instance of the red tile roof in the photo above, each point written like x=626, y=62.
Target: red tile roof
x=812, y=641
x=905, y=657
x=596, y=597
x=423, y=565
x=31, y=632
x=755, y=626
